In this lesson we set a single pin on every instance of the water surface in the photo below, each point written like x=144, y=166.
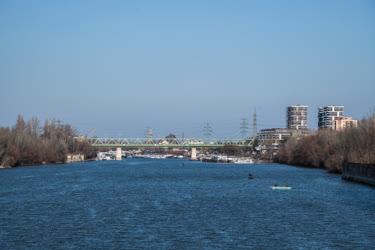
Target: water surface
x=164, y=204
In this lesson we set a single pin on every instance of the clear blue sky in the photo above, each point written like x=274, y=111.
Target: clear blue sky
x=123, y=66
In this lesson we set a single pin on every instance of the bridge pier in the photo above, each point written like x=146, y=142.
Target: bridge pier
x=118, y=154
x=193, y=154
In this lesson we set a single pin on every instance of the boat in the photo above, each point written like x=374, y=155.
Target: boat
x=276, y=187
x=243, y=161
x=250, y=176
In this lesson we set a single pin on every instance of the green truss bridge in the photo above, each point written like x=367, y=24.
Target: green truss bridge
x=138, y=143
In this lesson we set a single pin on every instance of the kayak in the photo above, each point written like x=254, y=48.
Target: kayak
x=281, y=188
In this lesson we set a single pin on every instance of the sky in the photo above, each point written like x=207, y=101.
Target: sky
x=121, y=66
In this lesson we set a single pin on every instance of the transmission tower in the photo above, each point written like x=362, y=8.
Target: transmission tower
x=244, y=128
x=207, y=130
x=149, y=134
x=255, y=123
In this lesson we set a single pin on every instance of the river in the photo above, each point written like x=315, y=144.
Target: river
x=179, y=204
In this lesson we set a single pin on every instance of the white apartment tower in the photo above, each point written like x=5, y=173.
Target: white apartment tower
x=328, y=114
x=296, y=117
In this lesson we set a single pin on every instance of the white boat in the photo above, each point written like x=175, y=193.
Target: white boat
x=281, y=188
x=243, y=161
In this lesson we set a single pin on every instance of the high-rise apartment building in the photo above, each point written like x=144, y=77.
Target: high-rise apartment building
x=328, y=114
x=296, y=117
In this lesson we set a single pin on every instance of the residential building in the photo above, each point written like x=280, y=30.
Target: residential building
x=327, y=116
x=296, y=117
x=345, y=122
x=269, y=140
x=273, y=136
x=276, y=136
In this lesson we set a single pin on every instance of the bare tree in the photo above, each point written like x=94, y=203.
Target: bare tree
x=330, y=148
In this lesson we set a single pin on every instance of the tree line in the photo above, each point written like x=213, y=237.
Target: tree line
x=29, y=143
x=330, y=149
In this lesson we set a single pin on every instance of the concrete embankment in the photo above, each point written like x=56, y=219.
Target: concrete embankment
x=362, y=173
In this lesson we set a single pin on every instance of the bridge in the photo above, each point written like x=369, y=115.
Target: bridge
x=164, y=143
x=138, y=143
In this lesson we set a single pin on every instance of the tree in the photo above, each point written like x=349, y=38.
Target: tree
x=329, y=149
x=27, y=143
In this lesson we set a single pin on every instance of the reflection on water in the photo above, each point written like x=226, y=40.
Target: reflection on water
x=139, y=203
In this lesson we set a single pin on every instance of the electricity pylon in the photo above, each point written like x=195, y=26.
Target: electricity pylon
x=254, y=123
x=149, y=135
x=207, y=131
x=244, y=128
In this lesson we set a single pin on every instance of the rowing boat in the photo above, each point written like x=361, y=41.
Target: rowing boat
x=281, y=188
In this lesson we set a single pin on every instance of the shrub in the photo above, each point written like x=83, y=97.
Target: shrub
x=329, y=149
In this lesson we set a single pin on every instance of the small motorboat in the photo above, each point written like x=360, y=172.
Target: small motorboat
x=284, y=187
x=251, y=176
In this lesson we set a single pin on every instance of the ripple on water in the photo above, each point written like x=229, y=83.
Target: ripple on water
x=164, y=204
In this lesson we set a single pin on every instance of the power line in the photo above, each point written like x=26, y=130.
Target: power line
x=207, y=130
x=244, y=128
x=255, y=123
x=149, y=134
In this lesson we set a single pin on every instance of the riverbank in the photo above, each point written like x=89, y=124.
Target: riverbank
x=329, y=149
x=29, y=144
x=361, y=173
